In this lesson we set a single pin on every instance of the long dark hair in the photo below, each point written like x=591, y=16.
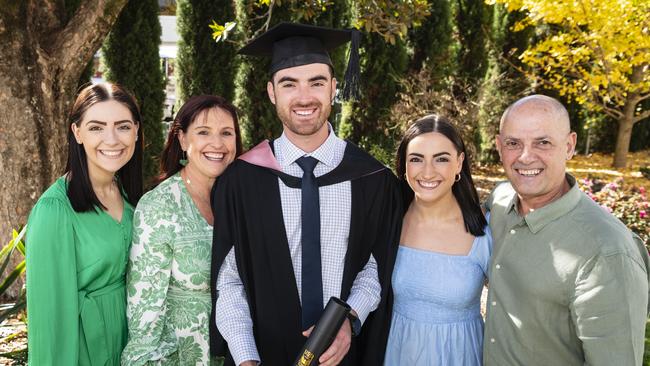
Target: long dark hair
x=173, y=153
x=464, y=190
x=129, y=177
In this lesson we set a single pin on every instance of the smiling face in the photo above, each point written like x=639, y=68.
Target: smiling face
x=302, y=96
x=108, y=134
x=432, y=163
x=210, y=143
x=534, y=144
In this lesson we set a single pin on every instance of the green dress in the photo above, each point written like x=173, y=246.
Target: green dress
x=76, y=265
x=169, y=304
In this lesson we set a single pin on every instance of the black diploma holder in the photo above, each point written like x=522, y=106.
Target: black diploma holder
x=335, y=313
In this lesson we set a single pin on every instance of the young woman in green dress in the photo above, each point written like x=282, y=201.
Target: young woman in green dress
x=79, y=232
x=169, y=303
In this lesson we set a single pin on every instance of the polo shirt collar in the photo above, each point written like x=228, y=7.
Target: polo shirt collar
x=537, y=219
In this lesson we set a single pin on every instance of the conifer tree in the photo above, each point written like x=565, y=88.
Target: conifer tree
x=364, y=121
x=204, y=66
x=502, y=84
x=432, y=40
x=132, y=60
x=258, y=118
x=472, y=16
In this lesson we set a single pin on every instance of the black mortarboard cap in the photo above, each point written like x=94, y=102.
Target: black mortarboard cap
x=291, y=44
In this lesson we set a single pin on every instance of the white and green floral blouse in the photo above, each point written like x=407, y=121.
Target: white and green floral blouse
x=168, y=307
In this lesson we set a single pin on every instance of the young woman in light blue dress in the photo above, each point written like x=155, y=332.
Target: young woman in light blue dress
x=442, y=260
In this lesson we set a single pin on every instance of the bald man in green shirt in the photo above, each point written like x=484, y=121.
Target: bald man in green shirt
x=568, y=281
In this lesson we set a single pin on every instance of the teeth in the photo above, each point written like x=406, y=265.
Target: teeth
x=429, y=184
x=529, y=172
x=304, y=113
x=111, y=152
x=214, y=156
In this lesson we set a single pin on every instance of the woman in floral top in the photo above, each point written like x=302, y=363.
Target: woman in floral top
x=168, y=307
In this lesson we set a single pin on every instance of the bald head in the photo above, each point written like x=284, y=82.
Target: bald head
x=539, y=105
x=534, y=143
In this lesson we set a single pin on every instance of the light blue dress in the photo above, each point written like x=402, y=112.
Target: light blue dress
x=436, y=312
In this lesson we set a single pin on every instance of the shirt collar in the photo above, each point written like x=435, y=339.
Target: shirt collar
x=537, y=219
x=324, y=154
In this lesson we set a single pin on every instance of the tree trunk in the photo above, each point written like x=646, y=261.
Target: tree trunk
x=625, y=125
x=623, y=141
x=43, y=54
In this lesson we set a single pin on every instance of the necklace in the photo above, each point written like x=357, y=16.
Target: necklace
x=191, y=190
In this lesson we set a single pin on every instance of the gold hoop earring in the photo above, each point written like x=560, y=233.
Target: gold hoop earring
x=457, y=178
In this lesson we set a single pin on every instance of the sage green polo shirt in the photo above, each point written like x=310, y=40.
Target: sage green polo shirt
x=568, y=285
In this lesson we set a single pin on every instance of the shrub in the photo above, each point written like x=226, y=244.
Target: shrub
x=628, y=203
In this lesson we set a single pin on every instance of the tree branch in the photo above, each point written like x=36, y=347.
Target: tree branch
x=75, y=45
x=644, y=97
x=612, y=112
x=46, y=15
x=641, y=116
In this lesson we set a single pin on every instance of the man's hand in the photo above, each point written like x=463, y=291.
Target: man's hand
x=339, y=348
x=248, y=363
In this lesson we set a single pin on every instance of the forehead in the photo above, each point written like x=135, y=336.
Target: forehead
x=213, y=117
x=430, y=143
x=533, y=122
x=107, y=111
x=304, y=71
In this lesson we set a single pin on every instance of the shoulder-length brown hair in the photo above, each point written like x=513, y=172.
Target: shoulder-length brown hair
x=129, y=177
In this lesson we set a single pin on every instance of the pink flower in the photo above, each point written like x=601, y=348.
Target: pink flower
x=642, y=190
x=642, y=214
x=606, y=208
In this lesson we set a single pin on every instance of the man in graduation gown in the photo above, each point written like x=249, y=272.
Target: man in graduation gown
x=303, y=218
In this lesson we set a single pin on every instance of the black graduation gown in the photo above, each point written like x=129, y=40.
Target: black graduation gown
x=247, y=210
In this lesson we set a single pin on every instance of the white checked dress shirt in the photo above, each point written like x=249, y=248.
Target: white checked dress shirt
x=232, y=311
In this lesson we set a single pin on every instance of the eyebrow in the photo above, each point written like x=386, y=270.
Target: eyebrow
x=105, y=123
x=318, y=78
x=545, y=137
x=287, y=78
x=434, y=155
x=294, y=80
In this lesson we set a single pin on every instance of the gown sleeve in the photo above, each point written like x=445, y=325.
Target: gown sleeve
x=52, y=293
x=148, y=276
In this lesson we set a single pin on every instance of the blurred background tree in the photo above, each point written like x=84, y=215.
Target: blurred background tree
x=203, y=66
x=597, y=54
x=131, y=57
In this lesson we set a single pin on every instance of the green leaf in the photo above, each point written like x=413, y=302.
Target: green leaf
x=18, y=306
x=7, y=258
x=13, y=276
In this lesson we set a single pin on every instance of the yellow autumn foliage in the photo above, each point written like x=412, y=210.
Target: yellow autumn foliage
x=592, y=47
